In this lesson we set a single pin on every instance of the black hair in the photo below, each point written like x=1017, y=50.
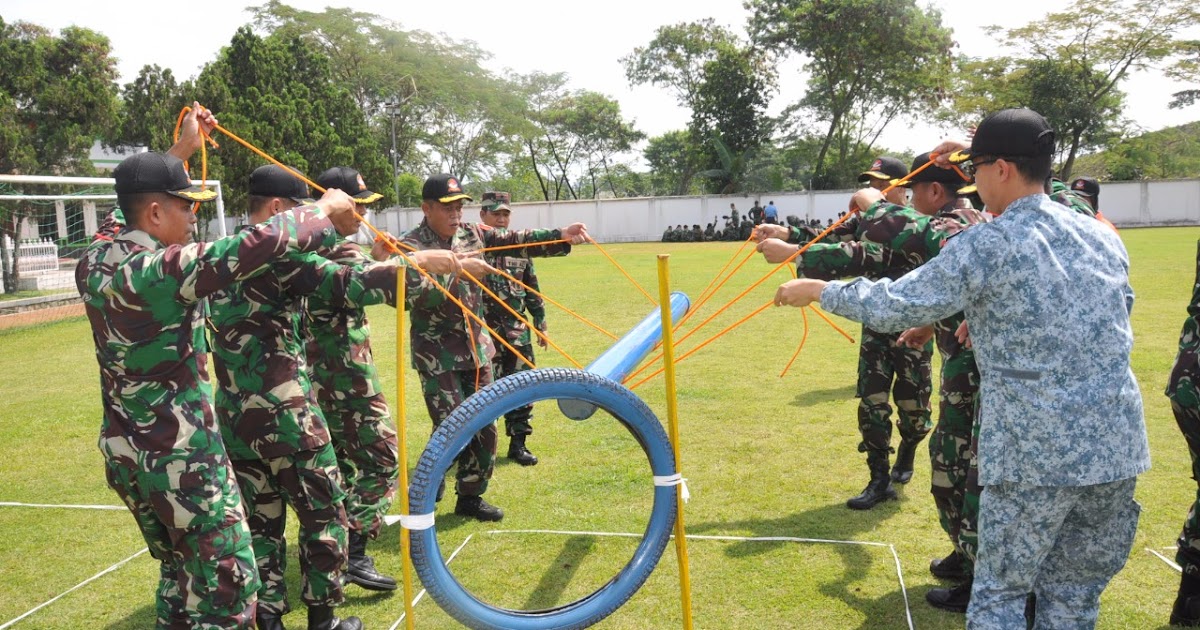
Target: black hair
x=1033, y=169
x=132, y=205
x=258, y=202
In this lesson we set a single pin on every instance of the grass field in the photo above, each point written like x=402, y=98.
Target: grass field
x=764, y=456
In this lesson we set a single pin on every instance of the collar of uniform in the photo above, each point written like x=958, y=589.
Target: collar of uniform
x=139, y=237
x=1027, y=203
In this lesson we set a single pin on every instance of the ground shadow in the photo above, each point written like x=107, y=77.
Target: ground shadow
x=831, y=522
x=140, y=619
x=561, y=571
x=810, y=398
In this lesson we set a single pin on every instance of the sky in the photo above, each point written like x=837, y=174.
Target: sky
x=583, y=39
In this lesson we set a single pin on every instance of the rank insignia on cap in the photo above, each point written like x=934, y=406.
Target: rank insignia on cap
x=876, y=165
x=361, y=184
x=452, y=185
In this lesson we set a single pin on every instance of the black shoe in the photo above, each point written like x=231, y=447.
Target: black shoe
x=954, y=599
x=322, y=618
x=477, y=508
x=876, y=492
x=902, y=472
x=518, y=453
x=360, y=568
x=1186, y=611
x=267, y=620
x=950, y=567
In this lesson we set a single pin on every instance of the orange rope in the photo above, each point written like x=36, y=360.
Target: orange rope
x=803, y=338
x=392, y=244
x=203, y=153
x=548, y=299
x=528, y=323
x=830, y=322
x=706, y=342
x=521, y=245
x=622, y=270
x=705, y=295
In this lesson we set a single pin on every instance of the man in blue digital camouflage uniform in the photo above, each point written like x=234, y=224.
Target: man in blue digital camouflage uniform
x=1062, y=437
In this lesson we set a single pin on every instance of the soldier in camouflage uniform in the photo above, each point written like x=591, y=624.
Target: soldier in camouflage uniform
x=1062, y=438
x=883, y=364
x=451, y=353
x=495, y=214
x=347, y=388
x=143, y=292
x=275, y=433
x=1183, y=389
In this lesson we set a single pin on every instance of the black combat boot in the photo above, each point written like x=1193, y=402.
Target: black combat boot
x=949, y=568
x=267, y=620
x=1186, y=611
x=322, y=618
x=518, y=453
x=955, y=599
x=879, y=489
x=902, y=472
x=360, y=568
x=477, y=508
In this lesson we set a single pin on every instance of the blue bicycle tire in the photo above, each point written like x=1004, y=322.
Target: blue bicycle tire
x=476, y=413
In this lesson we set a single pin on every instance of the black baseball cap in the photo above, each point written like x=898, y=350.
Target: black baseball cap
x=932, y=173
x=444, y=188
x=1010, y=133
x=348, y=181
x=275, y=181
x=884, y=167
x=495, y=201
x=152, y=172
x=1086, y=186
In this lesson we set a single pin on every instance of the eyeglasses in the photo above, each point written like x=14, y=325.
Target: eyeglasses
x=971, y=167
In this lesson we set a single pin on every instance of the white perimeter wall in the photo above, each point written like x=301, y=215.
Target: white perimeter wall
x=1127, y=204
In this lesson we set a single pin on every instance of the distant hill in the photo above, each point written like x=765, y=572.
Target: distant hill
x=1171, y=153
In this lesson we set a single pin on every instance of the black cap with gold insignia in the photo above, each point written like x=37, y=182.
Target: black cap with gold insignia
x=348, y=181
x=152, y=172
x=444, y=188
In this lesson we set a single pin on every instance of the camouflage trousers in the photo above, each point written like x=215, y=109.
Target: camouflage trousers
x=516, y=422
x=310, y=482
x=1185, y=402
x=950, y=445
x=445, y=391
x=188, y=509
x=1063, y=544
x=364, y=439
x=884, y=366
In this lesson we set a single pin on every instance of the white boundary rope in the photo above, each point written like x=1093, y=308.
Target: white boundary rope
x=75, y=588
x=557, y=532
x=422, y=591
x=1170, y=563
x=62, y=506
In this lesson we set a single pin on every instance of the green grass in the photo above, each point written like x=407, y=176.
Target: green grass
x=764, y=456
x=20, y=295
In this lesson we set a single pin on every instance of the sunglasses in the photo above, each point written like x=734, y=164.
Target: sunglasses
x=970, y=168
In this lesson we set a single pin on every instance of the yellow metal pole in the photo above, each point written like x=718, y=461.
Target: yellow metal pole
x=664, y=303
x=402, y=444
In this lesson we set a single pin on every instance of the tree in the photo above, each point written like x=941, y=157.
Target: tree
x=279, y=94
x=724, y=83
x=869, y=61
x=57, y=96
x=1094, y=45
x=1057, y=89
x=672, y=164
x=449, y=112
x=150, y=107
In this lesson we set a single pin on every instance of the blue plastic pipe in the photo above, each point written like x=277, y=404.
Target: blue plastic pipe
x=624, y=355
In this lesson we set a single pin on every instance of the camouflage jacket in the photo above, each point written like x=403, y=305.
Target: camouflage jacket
x=338, y=344
x=1187, y=362
x=1033, y=282
x=441, y=336
x=520, y=266
x=143, y=300
x=845, y=231
x=265, y=403
x=881, y=224
x=1061, y=193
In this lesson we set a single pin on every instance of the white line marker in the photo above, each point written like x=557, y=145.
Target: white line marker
x=422, y=593
x=63, y=506
x=76, y=587
x=1170, y=563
